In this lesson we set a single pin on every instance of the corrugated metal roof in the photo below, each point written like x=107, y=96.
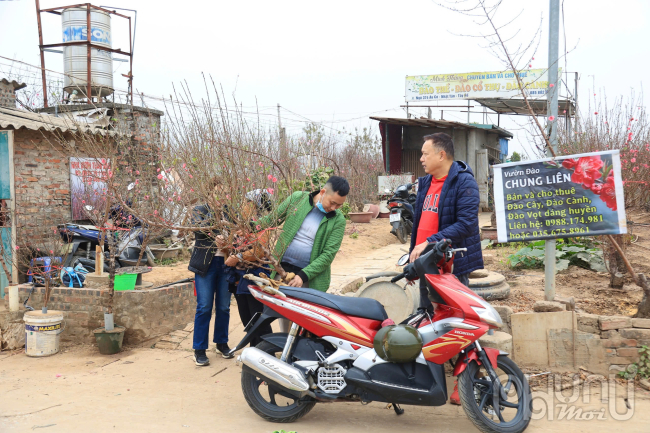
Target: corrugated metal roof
x=17, y=119
x=431, y=123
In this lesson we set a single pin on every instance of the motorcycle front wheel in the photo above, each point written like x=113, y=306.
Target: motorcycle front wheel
x=269, y=402
x=476, y=393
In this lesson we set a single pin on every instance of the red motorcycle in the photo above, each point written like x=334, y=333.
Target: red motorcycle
x=346, y=349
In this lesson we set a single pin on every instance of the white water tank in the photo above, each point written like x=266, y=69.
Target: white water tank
x=75, y=59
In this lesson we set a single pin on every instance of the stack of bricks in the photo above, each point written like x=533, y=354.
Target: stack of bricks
x=145, y=314
x=620, y=336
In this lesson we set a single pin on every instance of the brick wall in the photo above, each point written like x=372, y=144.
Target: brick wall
x=146, y=314
x=42, y=182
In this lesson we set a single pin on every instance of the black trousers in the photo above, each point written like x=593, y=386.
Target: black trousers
x=424, y=298
x=248, y=306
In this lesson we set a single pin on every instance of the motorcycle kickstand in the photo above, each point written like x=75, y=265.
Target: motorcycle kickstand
x=398, y=410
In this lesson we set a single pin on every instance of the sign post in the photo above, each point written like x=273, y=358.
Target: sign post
x=551, y=109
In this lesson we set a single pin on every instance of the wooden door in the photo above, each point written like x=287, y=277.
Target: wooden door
x=482, y=177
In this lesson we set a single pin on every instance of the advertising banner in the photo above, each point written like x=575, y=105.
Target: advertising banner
x=87, y=187
x=472, y=85
x=575, y=195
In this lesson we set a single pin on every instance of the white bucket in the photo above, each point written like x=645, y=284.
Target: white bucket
x=42, y=332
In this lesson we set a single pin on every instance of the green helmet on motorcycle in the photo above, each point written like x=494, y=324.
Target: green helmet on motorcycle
x=398, y=343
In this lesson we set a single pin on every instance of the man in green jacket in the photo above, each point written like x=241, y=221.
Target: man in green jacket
x=312, y=233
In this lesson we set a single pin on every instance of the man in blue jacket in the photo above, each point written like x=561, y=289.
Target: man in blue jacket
x=446, y=208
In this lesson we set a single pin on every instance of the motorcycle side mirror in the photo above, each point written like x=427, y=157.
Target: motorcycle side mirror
x=131, y=186
x=403, y=260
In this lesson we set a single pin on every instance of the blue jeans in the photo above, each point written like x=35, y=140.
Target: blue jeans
x=212, y=289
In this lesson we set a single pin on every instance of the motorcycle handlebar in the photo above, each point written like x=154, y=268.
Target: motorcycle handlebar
x=398, y=277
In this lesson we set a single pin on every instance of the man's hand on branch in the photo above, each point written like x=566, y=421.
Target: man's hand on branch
x=296, y=282
x=232, y=261
x=417, y=250
x=220, y=241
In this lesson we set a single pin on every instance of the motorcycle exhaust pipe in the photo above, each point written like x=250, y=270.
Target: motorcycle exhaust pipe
x=275, y=370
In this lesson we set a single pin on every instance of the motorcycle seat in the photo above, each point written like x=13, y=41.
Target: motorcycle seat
x=359, y=307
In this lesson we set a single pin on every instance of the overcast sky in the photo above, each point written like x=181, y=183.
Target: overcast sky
x=339, y=61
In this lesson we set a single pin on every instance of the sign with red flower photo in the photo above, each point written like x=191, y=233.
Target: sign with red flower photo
x=575, y=195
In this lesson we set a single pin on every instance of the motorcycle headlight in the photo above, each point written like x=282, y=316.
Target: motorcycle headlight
x=488, y=314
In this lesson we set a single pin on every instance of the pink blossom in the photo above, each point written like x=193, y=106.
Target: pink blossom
x=157, y=170
x=551, y=118
x=228, y=196
x=160, y=176
x=595, y=112
x=551, y=85
x=191, y=189
x=275, y=179
x=261, y=165
x=146, y=197
x=257, y=227
x=155, y=212
x=191, y=176
x=184, y=165
x=635, y=169
x=270, y=176
x=83, y=201
x=137, y=181
x=51, y=251
x=137, y=172
x=269, y=190
x=17, y=247
x=633, y=160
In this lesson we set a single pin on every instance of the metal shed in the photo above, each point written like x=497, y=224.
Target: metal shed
x=479, y=145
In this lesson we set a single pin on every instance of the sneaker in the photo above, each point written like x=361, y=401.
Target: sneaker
x=200, y=358
x=455, y=398
x=224, y=350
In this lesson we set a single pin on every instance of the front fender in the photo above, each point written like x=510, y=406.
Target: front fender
x=472, y=355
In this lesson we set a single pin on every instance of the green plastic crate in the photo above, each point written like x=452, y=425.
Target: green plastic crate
x=125, y=282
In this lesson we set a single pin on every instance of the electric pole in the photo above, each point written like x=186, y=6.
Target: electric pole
x=551, y=113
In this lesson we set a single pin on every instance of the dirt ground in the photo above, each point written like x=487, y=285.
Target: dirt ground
x=144, y=390
x=590, y=289
x=370, y=236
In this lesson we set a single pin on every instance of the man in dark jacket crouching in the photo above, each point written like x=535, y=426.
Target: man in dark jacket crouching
x=446, y=208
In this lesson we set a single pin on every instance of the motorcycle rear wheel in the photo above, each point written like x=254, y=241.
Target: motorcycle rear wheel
x=475, y=390
x=272, y=404
x=401, y=233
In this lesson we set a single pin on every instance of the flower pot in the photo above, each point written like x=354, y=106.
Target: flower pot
x=109, y=342
x=360, y=217
x=373, y=208
x=161, y=251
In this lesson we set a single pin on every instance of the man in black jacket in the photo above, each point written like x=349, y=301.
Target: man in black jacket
x=210, y=281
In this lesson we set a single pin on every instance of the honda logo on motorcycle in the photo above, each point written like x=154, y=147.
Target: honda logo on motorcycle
x=464, y=333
